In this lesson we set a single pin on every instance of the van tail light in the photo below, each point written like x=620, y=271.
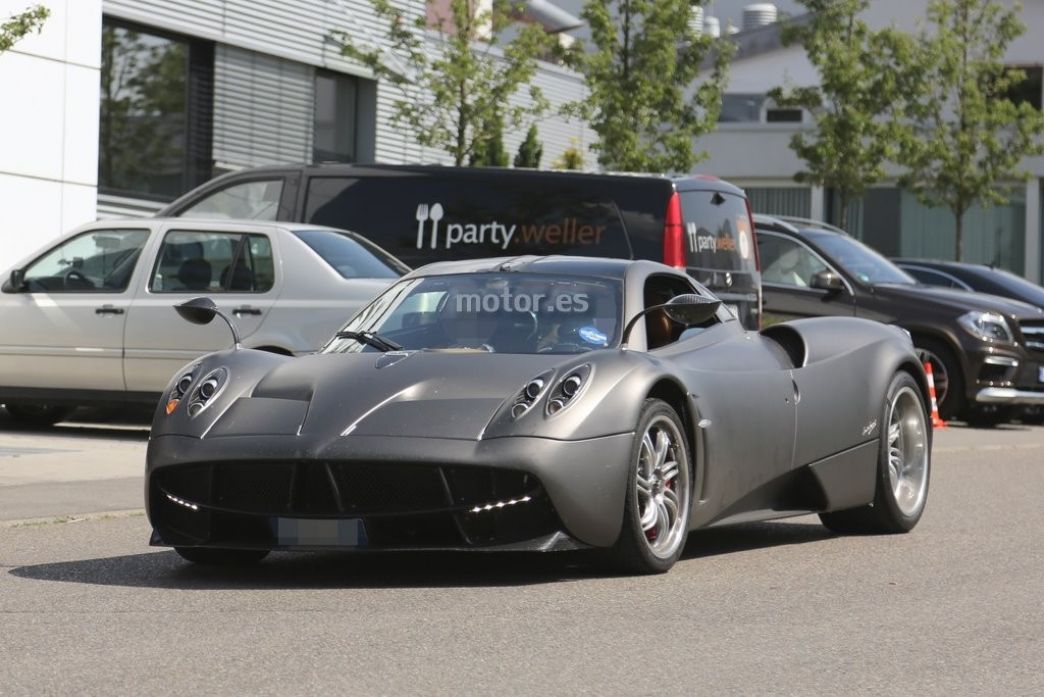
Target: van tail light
x=674, y=234
x=754, y=236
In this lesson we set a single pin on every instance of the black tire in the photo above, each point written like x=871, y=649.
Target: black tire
x=952, y=401
x=635, y=551
x=37, y=415
x=211, y=556
x=885, y=514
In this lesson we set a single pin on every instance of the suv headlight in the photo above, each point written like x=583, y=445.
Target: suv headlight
x=988, y=326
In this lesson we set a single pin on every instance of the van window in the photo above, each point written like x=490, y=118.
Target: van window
x=421, y=218
x=253, y=200
x=717, y=232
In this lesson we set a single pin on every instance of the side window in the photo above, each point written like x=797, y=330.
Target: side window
x=787, y=262
x=661, y=330
x=99, y=261
x=214, y=262
x=254, y=200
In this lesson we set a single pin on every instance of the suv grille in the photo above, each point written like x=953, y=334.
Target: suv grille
x=1033, y=333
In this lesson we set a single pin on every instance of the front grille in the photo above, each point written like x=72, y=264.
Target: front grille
x=1033, y=334
x=311, y=488
x=402, y=506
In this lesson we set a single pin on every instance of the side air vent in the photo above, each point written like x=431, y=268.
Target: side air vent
x=790, y=340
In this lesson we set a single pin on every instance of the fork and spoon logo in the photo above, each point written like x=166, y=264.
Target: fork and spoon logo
x=424, y=214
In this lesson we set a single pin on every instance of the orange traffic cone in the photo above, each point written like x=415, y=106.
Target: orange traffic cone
x=937, y=421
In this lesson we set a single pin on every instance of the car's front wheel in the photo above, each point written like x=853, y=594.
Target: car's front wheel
x=210, y=556
x=659, y=491
x=903, y=467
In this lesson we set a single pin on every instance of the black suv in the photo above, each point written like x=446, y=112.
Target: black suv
x=423, y=214
x=975, y=342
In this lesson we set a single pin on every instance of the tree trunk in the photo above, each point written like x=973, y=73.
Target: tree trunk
x=959, y=239
x=842, y=221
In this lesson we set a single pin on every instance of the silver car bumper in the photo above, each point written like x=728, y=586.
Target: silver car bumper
x=1008, y=395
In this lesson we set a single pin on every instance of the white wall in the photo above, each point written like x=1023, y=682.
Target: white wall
x=49, y=127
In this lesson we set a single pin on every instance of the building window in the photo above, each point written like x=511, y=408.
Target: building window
x=741, y=108
x=780, y=115
x=336, y=117
x=156, y=118
x=1029, y=89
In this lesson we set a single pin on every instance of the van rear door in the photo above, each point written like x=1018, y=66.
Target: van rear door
x=720, y=251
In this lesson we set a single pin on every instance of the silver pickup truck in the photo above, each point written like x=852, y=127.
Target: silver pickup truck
x=90, y=319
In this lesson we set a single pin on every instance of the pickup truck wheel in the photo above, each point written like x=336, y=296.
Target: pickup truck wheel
x=37, y=414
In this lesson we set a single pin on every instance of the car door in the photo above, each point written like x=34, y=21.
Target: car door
x=236, y=266
x=63, y=328
x=787, y=270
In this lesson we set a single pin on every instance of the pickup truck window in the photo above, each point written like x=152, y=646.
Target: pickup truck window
x=99, y=261
x=213, y=262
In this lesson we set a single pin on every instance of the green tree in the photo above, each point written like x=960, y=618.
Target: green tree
x=647, y=100
x=489, y=151
x=530, y=151
x=862, y=73
x=448, y=92
x=964, y=136
x=572, y=158
x=18, y=25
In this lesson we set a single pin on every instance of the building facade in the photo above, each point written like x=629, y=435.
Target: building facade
x=119, y=106
x=751, y=148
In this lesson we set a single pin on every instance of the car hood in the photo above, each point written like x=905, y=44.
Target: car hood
x=958, y=301
x=398, y=394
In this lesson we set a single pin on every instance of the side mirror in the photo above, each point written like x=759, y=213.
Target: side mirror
x=202, y=310
x=197, y=310
x=687, y=310
x=691, y=309
x=827, y=280
x=16, y=282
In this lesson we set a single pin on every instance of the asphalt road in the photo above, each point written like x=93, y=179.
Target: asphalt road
x=956, y=607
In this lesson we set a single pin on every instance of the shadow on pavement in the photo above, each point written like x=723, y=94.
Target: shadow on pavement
x=285, y=570
x=127, y=424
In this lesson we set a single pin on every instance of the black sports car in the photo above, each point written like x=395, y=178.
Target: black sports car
x=539, y=403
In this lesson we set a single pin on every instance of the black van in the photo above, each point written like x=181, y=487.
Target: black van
x=423, y=214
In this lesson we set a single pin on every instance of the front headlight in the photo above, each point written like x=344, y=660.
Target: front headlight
x=988, y=326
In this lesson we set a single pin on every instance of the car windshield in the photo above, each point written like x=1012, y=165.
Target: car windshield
x=495, y=312
x=350, y=256
x=859, y=260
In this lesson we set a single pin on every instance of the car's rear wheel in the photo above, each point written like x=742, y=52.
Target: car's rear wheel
x=221, y=557
x=946, y=374
x=903, y=467
x=658, y=500
x=37, y=414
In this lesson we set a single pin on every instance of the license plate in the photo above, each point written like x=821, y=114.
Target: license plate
x=309, y=532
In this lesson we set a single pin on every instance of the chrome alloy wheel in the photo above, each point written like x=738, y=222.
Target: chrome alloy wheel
x=907, y=451
x=662, y=487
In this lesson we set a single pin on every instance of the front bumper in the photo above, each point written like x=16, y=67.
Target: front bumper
x=405, y=493
x=1005, y=376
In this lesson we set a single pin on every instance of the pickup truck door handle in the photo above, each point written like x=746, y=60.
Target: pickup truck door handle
x=246, y=310
x=108, y=310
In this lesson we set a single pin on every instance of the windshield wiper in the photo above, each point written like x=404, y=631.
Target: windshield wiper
x=370, y=339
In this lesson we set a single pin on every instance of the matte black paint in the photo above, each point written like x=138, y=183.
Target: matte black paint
x=770, y=436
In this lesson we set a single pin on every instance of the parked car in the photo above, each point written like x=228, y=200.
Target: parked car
x=423, y=214
x=541, y=404
x=981, y=347
x=976, y=277
x=90, y=319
